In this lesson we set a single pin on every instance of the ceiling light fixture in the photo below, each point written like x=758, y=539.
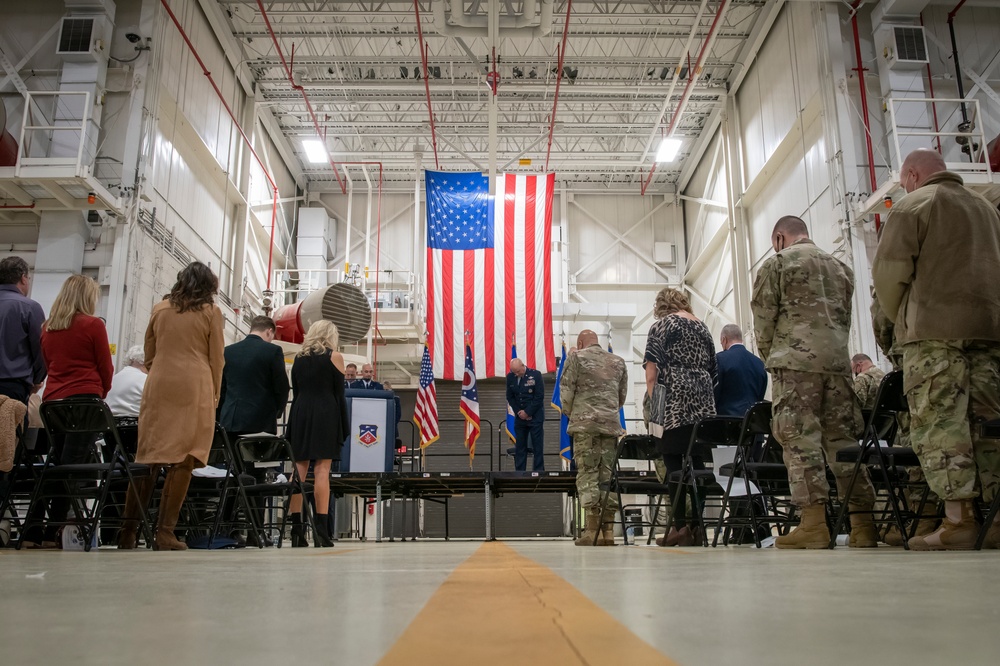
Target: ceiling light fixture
x=667, y=152
x=315, y=151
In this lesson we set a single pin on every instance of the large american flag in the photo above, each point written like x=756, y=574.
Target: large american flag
x=489, y=271
x=469, y=405
x=425, y=411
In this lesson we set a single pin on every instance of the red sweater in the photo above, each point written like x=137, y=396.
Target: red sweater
x=78, y=359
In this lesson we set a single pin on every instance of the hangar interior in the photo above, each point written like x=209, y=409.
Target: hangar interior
x=285, y=142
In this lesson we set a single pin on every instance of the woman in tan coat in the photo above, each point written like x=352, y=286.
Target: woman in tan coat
x=184, y=355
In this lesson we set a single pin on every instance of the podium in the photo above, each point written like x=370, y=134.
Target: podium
x=370, y=444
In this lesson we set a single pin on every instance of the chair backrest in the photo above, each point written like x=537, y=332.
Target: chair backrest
x=76, y=415
x=889, y=401
x=639, y=447
x=263, y=449
x=714, y=431
x=757, y=420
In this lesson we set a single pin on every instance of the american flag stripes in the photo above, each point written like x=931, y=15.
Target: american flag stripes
x=489, y=271
x=425, y=412
x=469, y=405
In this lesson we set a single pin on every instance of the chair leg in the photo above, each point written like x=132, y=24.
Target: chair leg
x=845, y=501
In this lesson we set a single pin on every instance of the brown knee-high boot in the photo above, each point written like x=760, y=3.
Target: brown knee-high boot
x=174, y=491
x=143, y=487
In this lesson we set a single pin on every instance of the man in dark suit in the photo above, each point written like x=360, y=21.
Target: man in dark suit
x=367, y=381
x=526, y=396
x=742, y=377
x=254, y=382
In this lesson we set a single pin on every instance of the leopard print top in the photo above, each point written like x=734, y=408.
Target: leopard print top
x=684, y=354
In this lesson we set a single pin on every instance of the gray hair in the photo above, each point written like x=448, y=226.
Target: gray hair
x=135, y=354
x=732, y=332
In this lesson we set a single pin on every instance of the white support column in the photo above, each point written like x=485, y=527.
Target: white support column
x=418, y=276
x=242, y=219
x=738, y=241
x=62, y=236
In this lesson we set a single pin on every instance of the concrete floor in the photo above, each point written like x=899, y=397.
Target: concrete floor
x=349, y=605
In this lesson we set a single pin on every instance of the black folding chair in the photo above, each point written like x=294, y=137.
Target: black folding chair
x=82, y=483
x=633, y=447
x=886, y=465
x=262, y=449
x=756, y=464
x=214, y=505
x=989, y=430
x=709, y=433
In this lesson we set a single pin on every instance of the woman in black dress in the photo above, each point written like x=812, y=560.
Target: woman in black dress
x=681, y=371
x=317, y=424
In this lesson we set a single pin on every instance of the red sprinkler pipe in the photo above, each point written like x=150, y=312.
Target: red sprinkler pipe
x=18, y=206
x=246, y=139
x=860, y=69
x=427, y=85
x=300, y=89
x=930, y=89
x=555, y=101
x=693, y=76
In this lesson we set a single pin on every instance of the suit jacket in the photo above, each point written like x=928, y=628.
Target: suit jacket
x=742, y=381
x=360, y=384
x=254, y=386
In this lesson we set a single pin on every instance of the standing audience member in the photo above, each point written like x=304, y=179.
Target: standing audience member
x=367, y=381
x=935, y=273
x=22, y=367
x=742, y=377
x=802, y=320
x=593, y=389
x=125, y=395
x=75, y=346
x=254, y=382
x=867, y=377
x=526, y=397
x=681, y=370
x=317, y=424
x=350, y=374
x=184, y=354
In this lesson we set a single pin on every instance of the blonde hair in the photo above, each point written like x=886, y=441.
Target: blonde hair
x=78, y=294
x=321, y=337
x=669, y=301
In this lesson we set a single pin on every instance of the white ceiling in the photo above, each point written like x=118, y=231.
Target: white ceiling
x=357, y=62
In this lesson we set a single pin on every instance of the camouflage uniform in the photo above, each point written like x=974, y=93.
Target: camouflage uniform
x=802, y=320
x=866, y=386
x=935, y=273
x=592, y=389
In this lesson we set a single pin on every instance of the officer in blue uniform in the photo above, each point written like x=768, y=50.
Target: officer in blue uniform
x=526, y=397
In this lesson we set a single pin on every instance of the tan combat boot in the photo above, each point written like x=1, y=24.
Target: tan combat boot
x=992, y=540
x=607, y=528
x=812, y=532
x=590, y=529
x=863, y=533
x=925, y=526
x=958, y=530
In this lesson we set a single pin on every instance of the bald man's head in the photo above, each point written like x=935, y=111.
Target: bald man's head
x=586, y=338
x=918, y=166
x=517, y=366
x=787, y=231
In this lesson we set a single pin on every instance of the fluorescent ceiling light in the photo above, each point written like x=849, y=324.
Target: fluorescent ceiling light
x=667, y=152
x=315, y=151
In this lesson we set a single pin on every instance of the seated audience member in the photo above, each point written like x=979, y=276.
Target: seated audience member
x=126, y=386
x=350, y=374
x=742, y=377
x=867, y=377
x=367, y=381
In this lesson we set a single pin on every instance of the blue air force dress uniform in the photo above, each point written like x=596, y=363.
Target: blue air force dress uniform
x=527, y=393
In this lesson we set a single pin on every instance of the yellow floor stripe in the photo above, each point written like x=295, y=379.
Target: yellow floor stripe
x=499, y=607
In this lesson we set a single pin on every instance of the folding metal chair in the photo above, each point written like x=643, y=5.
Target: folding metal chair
x=222, y=499
x=262, y=449
x=82, y=483
x=989, y=430
x=884, y=463
x=709, y=433
x=633, y=447
x=756, y=467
